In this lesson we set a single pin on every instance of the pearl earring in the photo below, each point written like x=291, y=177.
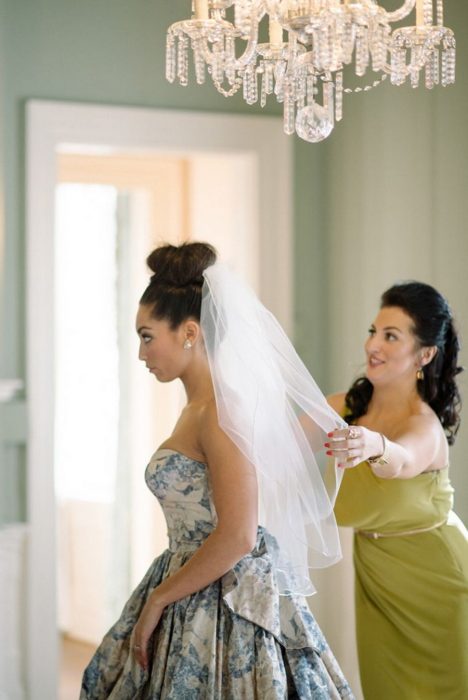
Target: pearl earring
x=187, y=344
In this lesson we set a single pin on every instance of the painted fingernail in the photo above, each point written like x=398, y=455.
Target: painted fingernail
x=329, y=452
x=329, y=434
x=326, y=444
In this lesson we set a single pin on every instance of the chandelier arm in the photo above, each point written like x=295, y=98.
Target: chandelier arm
x=399, y=14
x=258, y=11
x=208, y=54
x=248, y=55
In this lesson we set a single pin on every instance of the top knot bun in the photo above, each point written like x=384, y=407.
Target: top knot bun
x=179, y=266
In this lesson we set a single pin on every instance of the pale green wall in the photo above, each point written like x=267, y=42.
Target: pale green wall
x=353, y=236
x=2, y=227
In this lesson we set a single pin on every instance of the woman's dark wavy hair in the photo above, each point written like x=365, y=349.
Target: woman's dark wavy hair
x=433, y=326
x=175, y=288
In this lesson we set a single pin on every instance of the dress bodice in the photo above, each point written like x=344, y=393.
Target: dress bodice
x=368, y=502
x=181, y=485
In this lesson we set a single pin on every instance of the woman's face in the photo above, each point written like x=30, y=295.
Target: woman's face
x=391, y=348
x=161, y=348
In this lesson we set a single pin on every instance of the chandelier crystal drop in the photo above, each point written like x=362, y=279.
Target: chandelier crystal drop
x=310, y=44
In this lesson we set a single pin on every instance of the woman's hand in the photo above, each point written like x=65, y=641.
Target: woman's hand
x=353, y=445
x=144, y=628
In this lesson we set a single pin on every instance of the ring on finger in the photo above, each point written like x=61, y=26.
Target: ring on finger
x=353, y=433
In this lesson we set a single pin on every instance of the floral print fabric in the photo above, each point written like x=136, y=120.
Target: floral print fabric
x=237, y=639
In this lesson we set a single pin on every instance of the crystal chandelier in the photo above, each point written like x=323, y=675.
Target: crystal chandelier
x=310, y=42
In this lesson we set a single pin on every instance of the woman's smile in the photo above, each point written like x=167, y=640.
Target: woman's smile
x=373, y=361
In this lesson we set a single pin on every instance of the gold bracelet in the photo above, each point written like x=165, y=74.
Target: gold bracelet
x=383, y=458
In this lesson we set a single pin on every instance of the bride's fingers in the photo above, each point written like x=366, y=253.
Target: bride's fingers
x=139, y=648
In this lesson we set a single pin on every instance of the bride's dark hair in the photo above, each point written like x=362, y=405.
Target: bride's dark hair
x=174, y=291
x=433, y=326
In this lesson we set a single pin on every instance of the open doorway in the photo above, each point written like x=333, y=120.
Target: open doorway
x=233, y=189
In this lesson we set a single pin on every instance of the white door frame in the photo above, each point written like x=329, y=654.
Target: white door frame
x=50, y=127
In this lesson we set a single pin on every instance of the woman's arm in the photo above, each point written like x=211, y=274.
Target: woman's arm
x=234, y=487
x=413, y=449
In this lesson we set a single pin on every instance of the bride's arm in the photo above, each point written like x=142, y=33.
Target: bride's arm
x=234, y=486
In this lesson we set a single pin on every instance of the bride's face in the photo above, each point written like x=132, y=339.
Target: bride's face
x=161, y=348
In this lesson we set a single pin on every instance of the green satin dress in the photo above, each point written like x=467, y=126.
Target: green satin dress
x=411, y=589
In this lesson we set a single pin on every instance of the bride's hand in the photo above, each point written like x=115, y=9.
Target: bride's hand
x=144, y=628
x=353, y=445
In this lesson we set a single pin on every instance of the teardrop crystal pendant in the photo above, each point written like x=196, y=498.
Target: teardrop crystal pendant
x=313, y=123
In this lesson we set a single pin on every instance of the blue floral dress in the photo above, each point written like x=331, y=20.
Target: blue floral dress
x=237, y=639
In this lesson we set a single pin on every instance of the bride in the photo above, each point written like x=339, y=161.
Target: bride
x=222, y=613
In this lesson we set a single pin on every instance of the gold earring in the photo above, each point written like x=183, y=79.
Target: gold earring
x=187, y=344
x=420, y=374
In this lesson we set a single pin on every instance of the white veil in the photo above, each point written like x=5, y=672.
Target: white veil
x=272, y=409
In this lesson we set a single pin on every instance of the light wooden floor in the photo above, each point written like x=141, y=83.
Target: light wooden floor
x=74, y=658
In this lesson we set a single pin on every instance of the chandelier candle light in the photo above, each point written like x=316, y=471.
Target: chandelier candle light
x=305, y=71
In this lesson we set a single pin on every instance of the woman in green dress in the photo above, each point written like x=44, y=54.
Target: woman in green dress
x=410, y=549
